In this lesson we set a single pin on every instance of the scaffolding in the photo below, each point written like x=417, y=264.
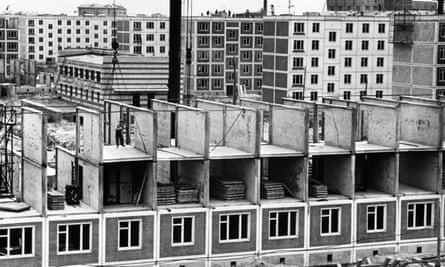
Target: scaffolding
x=8, y=120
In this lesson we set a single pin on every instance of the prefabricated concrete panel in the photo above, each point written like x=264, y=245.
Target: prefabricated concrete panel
x=163, y=172
x=381, y=171
x=338, y=256
x=65, y=162
x=191, y=132
x=196, y=174
x=216, y=120
x=338, y=127
x=91, y=138
x=420, y=123
x=163, y=110
x=33, y=135
x=420, y=169
x=33, y=185
x=249, y=103
x=382, y=124
x=401, y=74
x=389, y=233
x=90, y=187
x=145, y=131
x=241, y=129
x=114, y=118
x=292, y=173
x=289, y=128
x=423, y=75
x=421, y=232
x=338, y=174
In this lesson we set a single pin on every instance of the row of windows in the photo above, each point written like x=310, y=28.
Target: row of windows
x=298, y=79
x=218, y=27
x=218, y=41
x=234, y=227
x=136, y=24
x=298, y=62
x=346, y=94
x=299, y=28
x=75, y=72
x=81, y=93
x=298, y=45
x=31, y=31
x=217, y=83
x=218, y=56
x=219, y=69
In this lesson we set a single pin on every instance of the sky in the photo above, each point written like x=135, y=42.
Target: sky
x=69, y=7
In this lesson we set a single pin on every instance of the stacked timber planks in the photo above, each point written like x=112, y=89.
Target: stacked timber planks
x=186, y=194
x=166, y=194
x=228, y=189
x=272, y=190
x=56, y=200
x=318, y=190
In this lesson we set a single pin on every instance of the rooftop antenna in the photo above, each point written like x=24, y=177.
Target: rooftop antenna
x=290, y=6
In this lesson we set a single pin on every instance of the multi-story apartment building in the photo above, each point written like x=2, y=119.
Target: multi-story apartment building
x=226, y=52
x=9, y=43
x=101, y=10
x=419, y=55
x=372, y=187
x=326, y=56
x=379, y=5
x=41, y=37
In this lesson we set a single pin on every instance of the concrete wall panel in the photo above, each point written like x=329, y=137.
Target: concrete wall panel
x=420, y=124
x=289, y=128
x=423, y=54
x=423, y=75
x=191, y=131
x=382, y=125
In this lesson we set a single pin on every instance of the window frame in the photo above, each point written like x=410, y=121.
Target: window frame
x=425, y=226
x=239, y=239
x=375, y=206
x=289, y=212
x=8, y=237
x=330, y=233
x=81, y=251
x=129, y=247
x=173, y=225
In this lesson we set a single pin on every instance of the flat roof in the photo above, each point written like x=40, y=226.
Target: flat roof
x=114, y=154
x=90, y=59
x=268, y=150
x=321, y=149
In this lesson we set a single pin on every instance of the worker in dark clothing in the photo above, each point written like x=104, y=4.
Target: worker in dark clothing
x=119, y=136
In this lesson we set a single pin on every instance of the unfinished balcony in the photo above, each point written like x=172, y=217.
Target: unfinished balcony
x=182, y=148
x=283, y=151
x=233, y=150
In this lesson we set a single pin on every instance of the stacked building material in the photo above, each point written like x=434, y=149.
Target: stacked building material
x=318, y=190
x=186, y=194
x=56, y=200
x=228, y=189
x=166, y=194
x=272, y=190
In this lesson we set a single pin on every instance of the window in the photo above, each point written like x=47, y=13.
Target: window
x=150, y=25
x=314, y=62
x=283, y=224
x=16, y=241
x=130, y=234
x=162, y=25
x=347, y=78
x=297, y=80
x=331, y=70
x=348, y=62
x=349, y=27
x=381, y=28
x=298, y=45
x=297, y=95
x=203, y=27
x=380, y=45
x=314, y=96
x=364, y=62
x=136, y=25
x=348, y=45
x=332, y=36
x=314, y=79
x=379, y=94
x=347, y=95
x=150, y=49
x=234, y=227
x=380, y=62
x=203, y=41
x=150, y=37
x=365, y=45
x=162, y=49
x=379, y=78
x=376, y=217
x=316, y=27
x=331, y=53
x=315, y=44
x=365, y=27
x=297, y=62
x=331, y=87
x=330, y=221
x=298, y=28
x=162, y=37
x=442, y=30
x=183, y=229
x=73, y=238
x=363, y=78
x=420, y=215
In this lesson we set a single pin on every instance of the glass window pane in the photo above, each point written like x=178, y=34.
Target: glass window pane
x=371, y=225
x=282, y=224
x=135, y=233
x=177, y=234
x=410, y=219
x=223, y=231
x=420, y=214
x=293, y=223
x=123, y=224
x=380, y=217
x=429, y=213
x=244, y=225
x=325, y=225
x=335, y=221
x=123, y=238
x=3, y=246
x=86, y=237
x=28, y=240
x=15, y=241
x=272, y=228
x=62, y=242
x=234, y=226
x=188, y=228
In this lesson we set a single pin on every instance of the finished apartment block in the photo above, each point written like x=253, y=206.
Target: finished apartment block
x=226, y=52
x=315, y=56
x=41, y=37
x=187, y=190
x=9, y=43
x=379, y=5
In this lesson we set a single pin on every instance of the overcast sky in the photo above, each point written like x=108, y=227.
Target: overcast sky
x=160, y=6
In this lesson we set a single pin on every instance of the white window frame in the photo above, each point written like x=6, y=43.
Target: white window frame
x=413, y=210
x=381, y=61
x=181, y=224
x=299, y=28
x=297, y=80
x=129, y=247
x=298, y=45
x=379, y=78
x=381, y=28
x=297, y=62
x=81, y=251
x=348, y=45
x=347, y=79
x=8, y=238
x=330, y=221
x=376, y=206
x=380, y=45
x=289, y=212
x=314, y=78
x=227, y=225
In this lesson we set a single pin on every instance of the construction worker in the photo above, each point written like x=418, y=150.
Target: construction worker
x=118, y=133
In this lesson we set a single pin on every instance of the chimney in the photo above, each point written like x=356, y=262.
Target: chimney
x=440, y=4
x=265, y=7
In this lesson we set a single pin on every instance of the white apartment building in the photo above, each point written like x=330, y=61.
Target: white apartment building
x=316, y=56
